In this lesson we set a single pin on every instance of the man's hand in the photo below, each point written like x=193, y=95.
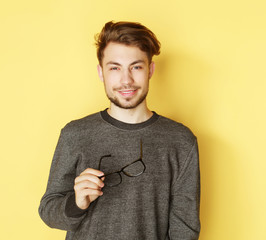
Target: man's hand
x=88, y=187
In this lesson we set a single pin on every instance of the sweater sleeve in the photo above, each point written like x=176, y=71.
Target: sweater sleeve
x=57, y=208
x=184, y=222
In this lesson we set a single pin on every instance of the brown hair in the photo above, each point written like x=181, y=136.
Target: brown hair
x=128, y=33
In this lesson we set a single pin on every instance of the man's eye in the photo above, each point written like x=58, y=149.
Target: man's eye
x=137, y=67
x=114, y=68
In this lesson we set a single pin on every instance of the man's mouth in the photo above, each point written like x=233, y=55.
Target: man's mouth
x=128, y=92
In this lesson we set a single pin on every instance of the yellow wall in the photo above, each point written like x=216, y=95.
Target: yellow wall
x=210, y=76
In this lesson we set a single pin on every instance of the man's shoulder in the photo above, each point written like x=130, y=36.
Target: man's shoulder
x=175, y=128
x=84, y=123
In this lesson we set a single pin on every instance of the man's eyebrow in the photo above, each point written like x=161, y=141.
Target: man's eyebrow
x=118, y=64
x=136, y=62
x=113, y=63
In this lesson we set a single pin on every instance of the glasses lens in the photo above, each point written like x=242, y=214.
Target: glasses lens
x=112, y=179
x=134, y=169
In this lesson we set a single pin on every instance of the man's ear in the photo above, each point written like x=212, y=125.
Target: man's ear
x=152, y=69
x=100, y=72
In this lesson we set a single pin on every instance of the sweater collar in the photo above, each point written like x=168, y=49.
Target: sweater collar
x=128, y=126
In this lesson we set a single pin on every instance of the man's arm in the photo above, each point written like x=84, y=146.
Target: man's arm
x=184, y=222
x=58, y=208
x=59, y=195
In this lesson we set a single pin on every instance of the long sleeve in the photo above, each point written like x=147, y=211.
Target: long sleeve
x=57, y=208
x=184, y=222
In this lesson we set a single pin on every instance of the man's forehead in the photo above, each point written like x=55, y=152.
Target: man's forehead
x=121, y=53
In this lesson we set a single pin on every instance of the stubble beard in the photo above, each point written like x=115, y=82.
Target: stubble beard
x=130, y=102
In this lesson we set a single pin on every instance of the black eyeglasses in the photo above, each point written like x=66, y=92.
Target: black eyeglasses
x=133, y=169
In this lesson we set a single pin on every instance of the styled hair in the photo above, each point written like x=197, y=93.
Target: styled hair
x=130, y=34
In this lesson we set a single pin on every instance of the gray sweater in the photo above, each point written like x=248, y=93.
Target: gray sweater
x=161, y=203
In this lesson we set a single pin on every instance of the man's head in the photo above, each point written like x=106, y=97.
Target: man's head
x=125, y=52
x=130, y=34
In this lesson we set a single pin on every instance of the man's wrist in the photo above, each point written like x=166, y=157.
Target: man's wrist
x=71, y=209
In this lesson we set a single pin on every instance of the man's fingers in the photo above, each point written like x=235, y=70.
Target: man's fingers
x=91, y=178
x=91, y=192
x=86, y=185
x=92, y=171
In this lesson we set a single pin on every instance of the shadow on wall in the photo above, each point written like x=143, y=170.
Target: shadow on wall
x=219, y=187
x=183, y=89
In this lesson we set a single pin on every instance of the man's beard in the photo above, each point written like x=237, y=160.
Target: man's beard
x=129, y=104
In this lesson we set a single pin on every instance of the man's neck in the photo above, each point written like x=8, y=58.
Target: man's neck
x=135, y=115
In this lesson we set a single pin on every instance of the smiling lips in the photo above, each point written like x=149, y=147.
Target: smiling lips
x=128, y=92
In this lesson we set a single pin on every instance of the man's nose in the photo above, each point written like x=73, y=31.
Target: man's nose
x=127, y=77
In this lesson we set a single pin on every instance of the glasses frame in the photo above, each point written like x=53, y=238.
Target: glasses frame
x=123, y=168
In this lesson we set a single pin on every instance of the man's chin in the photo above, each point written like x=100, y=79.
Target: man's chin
x=127, y=104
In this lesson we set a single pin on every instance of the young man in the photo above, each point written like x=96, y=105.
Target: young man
x=125, y=172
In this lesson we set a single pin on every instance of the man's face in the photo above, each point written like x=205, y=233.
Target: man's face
x=125, y=72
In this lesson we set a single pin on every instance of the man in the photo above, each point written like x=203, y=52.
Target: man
x=125, y=172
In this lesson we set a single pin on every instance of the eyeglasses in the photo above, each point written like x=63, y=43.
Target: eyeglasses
x=133, y=169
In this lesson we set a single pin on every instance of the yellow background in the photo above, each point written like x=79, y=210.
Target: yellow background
x=210, y=76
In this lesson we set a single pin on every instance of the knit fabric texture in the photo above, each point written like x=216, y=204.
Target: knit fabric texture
x=162, y=202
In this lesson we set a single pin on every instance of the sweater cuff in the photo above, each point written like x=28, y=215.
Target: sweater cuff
x=71, y=209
